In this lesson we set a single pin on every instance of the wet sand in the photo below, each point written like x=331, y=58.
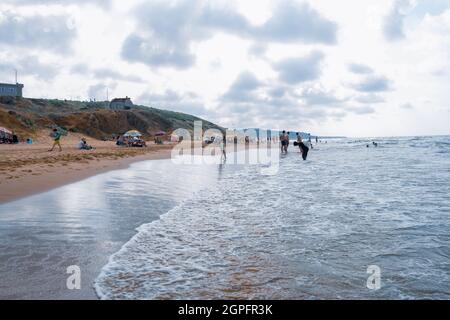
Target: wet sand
x=30, y=169
x=84, y=223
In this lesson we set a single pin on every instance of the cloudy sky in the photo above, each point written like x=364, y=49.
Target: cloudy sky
x=348, y=67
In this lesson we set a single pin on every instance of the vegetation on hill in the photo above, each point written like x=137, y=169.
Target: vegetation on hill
x=27, y=116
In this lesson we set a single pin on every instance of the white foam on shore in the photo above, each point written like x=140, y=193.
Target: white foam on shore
x=308, y=232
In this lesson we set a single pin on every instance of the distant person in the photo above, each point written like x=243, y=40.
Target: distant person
x=56, y=135
x=223, y=145
x=317, y=140
x=310, y=143
x=288, y=138
x=375, y=144
x=83, y=145
x=284, y=142
x=303, y=148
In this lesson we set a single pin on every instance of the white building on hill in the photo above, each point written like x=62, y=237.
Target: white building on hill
x=14, y=90
x=121, y=103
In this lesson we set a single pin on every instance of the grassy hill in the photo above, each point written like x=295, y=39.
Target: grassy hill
x=28, y=116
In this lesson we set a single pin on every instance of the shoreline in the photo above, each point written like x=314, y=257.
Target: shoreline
x=29, y=170
x=39, y=178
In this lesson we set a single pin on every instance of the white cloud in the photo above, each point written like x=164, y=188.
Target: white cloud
x=167, y=30
x=310, y=65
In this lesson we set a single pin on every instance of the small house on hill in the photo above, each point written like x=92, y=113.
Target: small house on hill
x=121, y=103
x=14, y=90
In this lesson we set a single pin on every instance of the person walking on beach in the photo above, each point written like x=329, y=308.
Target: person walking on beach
x=56, y=135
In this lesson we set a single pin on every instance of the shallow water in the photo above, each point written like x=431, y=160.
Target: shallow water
x=310, y=231
x=83, y=224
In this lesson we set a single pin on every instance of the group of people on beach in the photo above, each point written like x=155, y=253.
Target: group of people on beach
x=56, y=136
x=285, y=141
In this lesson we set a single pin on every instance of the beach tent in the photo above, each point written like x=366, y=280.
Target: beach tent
x=133, y=133
x=160, y=133
x=5, y=133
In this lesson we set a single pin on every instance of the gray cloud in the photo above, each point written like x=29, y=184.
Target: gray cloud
x=370, y=99
x=111, y=74
x=361, y=110
x=292, y=22
x=258, y=49
x=29, y=66
x=314, y=97
x=407, y=106
x=157, y=52
x=80, y=68
x=359, y=68
x=297, y=70
x=104, y=73
x=101, y=3
x=252, y=102
x=242, y=88
x=98, y=91
x=188, y=102
x=41, y=32
x=166, y=29
x=393, y=24
x=373, y=84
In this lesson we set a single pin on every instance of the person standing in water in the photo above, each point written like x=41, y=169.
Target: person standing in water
x=303, y=148
x=284, y=139
x=223, y=145
x=56, y=135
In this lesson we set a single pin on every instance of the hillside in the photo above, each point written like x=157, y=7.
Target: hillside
x=26, y=117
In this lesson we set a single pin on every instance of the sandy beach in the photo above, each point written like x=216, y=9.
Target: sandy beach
x=29, y=169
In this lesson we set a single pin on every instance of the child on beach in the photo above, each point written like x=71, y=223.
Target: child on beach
x=56, y=140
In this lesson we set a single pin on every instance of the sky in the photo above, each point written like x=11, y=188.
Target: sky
x=349, y=67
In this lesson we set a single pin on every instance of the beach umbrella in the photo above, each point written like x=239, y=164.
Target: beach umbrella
x=160, y=133
x=132, y=133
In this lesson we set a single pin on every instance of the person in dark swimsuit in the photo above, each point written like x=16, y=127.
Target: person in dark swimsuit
x=303, y=148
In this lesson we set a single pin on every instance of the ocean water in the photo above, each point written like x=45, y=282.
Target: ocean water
x=311, y=231
x=84, y=223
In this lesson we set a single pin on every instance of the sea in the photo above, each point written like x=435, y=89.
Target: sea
x=353, y=221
